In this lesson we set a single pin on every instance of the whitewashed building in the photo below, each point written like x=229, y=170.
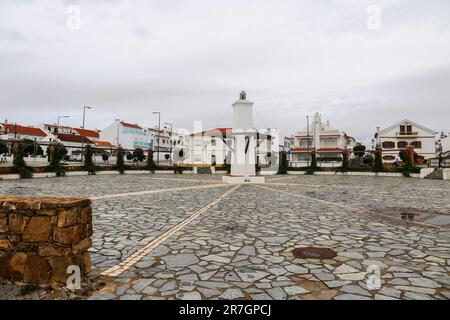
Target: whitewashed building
x=405, y=133
x=14, y=131
x=161, y=143
x=128, y=136
x=54, y=128
x=445, y=143
x=74, y=143
x=212, y=147
x=327, y=142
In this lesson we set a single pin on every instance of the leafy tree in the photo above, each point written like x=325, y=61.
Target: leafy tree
x=139, y=155
x=120, y=164
x=32, y=148
x=59, y=152
x=19, y=164
x=130, y=156
x=368, y=160
x=359, y=150
x=3, y=148
x=181, y=154
x=89, y=165
x=105, y=156
x=167, y=156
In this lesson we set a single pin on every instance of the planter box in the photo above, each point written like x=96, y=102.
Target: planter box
x=40, y=237
x=11, y=176
x=356, y=173
x=389, y=174
x=446, y=174
x=137, y=172
x=44, y=175
x=267, y=173
x=299, y=173
x=107, y=172
x=77, y=173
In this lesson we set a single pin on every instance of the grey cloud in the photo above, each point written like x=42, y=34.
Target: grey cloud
x=189, y=60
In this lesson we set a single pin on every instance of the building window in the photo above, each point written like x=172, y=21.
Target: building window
x=198, y=142
x=417, y=144
x=402, y=144
x=197, y=158
x=402, y=128
x=329, y=142
x=388, y=145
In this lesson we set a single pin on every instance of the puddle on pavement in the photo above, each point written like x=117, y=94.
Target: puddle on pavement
x=416, y=215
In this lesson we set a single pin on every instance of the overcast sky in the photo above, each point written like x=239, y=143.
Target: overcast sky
x=190, y=58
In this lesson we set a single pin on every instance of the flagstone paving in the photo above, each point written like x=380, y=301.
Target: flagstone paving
x=216, y=242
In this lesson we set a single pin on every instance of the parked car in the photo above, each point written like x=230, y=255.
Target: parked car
x=73, y=158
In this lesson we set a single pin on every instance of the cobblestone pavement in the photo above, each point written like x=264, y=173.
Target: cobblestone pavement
x=195, y=238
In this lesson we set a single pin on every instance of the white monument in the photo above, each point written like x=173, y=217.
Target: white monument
x=243, y=154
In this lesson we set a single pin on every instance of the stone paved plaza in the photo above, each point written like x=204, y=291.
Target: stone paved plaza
x=193, y=237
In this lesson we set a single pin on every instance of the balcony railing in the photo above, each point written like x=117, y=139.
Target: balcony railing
x=407, y=133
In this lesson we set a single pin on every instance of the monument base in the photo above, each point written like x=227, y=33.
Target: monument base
x=242, y=179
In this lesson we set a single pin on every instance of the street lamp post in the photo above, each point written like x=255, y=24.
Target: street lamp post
x=439, y=153
x=170, y=140
x=57, y=129
x=82, y=139
x=307, y=139
x=117, y=138
x=159, y=133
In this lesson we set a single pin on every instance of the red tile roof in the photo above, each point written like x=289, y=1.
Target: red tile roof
x=129, y=125
x=29, y=131
x=73, y=138
x=87, y=133
x=105, y=144
x=214, y=132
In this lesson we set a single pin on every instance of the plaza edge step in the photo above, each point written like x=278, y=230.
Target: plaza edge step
x=437, y=174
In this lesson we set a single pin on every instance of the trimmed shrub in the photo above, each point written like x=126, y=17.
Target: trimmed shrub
x=120, y=163
x=378, y=163
x=3, y=148
x=283, y=166
x=19, y=164
x=226, y=166
x=89, y=165
x=59, y=152
x=151, y=166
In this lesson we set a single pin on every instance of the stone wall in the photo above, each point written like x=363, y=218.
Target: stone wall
x=41, y=237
